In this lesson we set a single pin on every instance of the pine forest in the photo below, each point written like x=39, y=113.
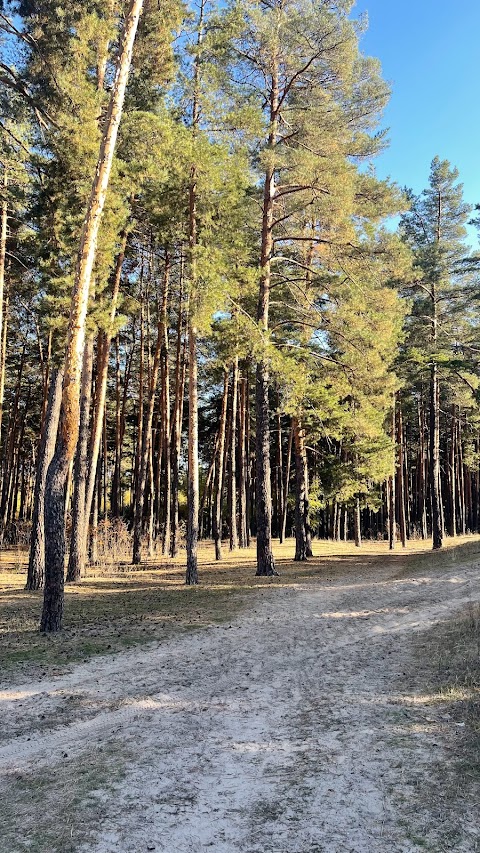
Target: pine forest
x=228, y=345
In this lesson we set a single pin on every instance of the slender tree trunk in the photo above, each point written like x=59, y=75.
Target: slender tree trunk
x=233, y=460
x=78, y=542
x=243, y=465
x=9, y=449
x=302, y=520
x=69, y=420
x=287, y=483
x=193, y=495
x=166, y=426
x=3, y=357
x=181, y=369
x=265, y=560
x=435, y=487
x=357, y=523
x=400, y=479
x=193, y=499
x=280, y=483
x=461, y=480
x=103, y=354
x=217, y=517
x=3, y=255
x=147, y=432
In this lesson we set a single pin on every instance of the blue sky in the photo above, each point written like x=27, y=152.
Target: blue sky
x=430, y=54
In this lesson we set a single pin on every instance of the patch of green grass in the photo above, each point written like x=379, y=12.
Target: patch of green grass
x=56, y=810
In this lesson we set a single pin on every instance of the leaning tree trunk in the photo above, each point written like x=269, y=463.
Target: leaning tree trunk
x=36, y=561
x=69, y=420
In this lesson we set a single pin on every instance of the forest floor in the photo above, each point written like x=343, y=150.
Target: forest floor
x=334, y=709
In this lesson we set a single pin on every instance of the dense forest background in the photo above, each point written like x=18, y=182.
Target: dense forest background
x=215, y=320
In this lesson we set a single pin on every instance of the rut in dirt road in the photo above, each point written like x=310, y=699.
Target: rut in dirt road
x=287, y=731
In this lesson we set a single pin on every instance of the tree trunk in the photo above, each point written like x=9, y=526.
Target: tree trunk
x=280, y=483
x=357, y=523
x=103, y=354
x=435, y=487
x=265, y=560
x=166, y=427
x=243, y=469
x=233, y=460
x=69, y=420
x=181, y=368
x=400, y=480
x=193, y=499
x=217, y=517
x=78, y=542
x=287, y=483
x=36, y=561
x=147, y=431
x=3, y=255
x=302, y=520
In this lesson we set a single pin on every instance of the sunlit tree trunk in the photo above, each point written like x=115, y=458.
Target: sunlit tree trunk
x=69, y=420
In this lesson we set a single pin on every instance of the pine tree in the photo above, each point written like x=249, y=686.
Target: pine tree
x=435, y=230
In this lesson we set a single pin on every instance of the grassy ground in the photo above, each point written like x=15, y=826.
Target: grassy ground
x=118, y=607
x=446, y=675
x=451, y=679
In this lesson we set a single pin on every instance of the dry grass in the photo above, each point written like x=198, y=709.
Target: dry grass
x=446, y=676
x=453, y=677
x=120, y=607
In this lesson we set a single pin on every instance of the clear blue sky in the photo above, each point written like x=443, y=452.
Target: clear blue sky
x=430, y=54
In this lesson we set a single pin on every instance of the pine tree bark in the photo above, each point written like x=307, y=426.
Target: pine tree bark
x=166, y=426
x=243, y=465
x=69, y=420
x=193, y=498
x=435, y=486
x=103, y=355
x=287, y=483
x=400, y=479
x=302, y=519
x=3, y=255
x=180, y=372
x=217, y=517
x=233, y=460
x=280, y=484
x=357, y=523
x=147, y=430
x=265, y=560
x=78, y=541
x=36, y=560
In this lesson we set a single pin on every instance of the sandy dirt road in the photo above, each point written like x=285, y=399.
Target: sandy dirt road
x=291, y=730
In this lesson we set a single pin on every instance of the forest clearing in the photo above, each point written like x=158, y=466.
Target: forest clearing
x=333, y=708
x=239, y=426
